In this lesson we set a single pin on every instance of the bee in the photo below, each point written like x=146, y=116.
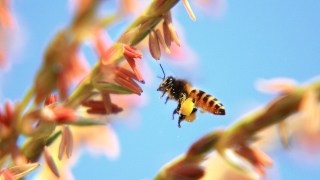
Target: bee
x=188, y=98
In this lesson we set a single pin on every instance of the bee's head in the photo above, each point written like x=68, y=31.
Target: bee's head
x=166, y=83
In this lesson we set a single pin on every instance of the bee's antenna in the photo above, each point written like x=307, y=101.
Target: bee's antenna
x=164, y=74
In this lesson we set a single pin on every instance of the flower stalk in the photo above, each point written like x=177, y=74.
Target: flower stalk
x=239, y=136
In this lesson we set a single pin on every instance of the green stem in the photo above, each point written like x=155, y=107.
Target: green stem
x=82, y=91
x=26, y=100
x=147, y=21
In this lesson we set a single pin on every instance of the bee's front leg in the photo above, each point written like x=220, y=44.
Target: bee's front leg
x=167, y=99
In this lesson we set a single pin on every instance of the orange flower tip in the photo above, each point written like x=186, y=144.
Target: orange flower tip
x=115, y=109
x=187, y=172
x=260, y=169
x=132, y=52
x=263, y=158
x=189, y=10
x=6, y=175
x=51, y=99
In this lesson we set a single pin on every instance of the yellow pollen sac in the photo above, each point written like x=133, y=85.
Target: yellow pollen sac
x=187, y=107
x=190, y=118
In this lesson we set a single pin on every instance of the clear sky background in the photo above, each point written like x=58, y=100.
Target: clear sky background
x=253, y=40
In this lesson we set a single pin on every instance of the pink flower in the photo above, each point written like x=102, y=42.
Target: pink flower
x=6, y=119
x=6, y=18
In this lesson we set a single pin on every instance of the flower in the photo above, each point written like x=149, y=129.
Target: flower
x=6, y=119
x=96, y=139
x=62, y=67
x=257, y=158
x=276, y=85
x=216, y=8
x=6, y=17
x=17, y=172
x=217, y=168
x=131, y=54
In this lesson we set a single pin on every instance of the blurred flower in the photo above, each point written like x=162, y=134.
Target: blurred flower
x=100, y=140
x=130, y=6
x=66, y=144
x=17, y=172
x=6, y=175
x=276, y=85
x=101, y=42
x=6, y=17
x=52, y=112
x=63, y=66
x=98, y=107
x=50, y=162
x=217, y=168
x=215, y=8
x=7, y=29
x=251, y=162
x=6, y=120
x=257, y=158
x=307, y=131
x=40, y=123
x=303, y=126
x=185, y=171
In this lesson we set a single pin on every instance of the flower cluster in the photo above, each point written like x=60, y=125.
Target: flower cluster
x=48, y=121
x=236, y=145
x=67, y=100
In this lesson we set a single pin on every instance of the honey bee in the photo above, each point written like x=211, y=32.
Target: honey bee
x=188, y=99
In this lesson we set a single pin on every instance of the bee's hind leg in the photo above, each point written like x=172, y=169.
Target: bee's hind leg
x=181, y=118
x=176, y=111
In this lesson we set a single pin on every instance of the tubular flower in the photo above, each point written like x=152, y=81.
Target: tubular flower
x=131, y=54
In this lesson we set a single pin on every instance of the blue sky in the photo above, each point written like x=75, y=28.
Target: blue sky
x=253, y=40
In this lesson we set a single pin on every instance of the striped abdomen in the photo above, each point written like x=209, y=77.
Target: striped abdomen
x=207, y=102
